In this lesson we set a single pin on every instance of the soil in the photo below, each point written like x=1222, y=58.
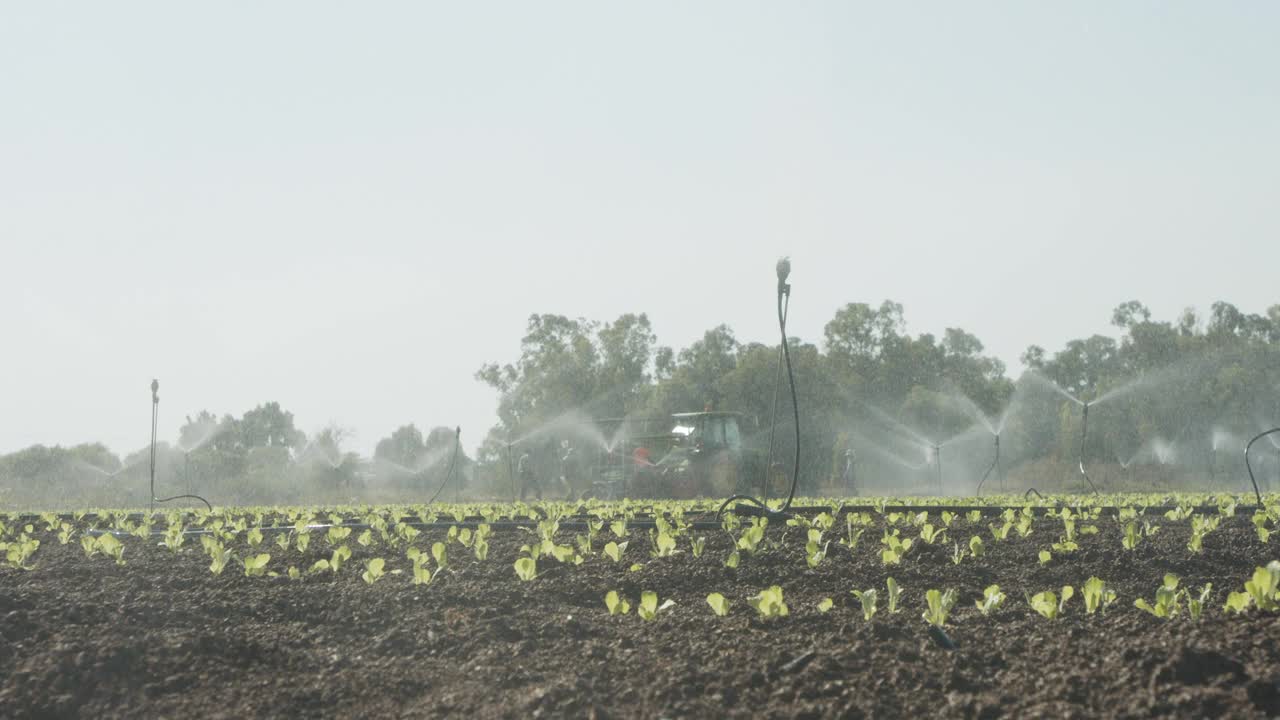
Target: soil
x=163, y=636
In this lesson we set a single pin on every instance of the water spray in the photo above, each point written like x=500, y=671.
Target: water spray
x=1249, y=466
x=155, y=417
x=995, y=465
x=757, y=507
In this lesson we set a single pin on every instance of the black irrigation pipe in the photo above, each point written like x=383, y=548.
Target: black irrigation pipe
x=155, y=415
x=994, y=464
x=1248, y=465
x=757, y=507
x=457, y=441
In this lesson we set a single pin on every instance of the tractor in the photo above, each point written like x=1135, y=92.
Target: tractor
x=685, y=455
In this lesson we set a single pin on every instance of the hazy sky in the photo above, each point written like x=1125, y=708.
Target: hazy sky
x=349, y=207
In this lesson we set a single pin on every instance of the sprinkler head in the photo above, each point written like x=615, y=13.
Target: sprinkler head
x=155, y=391
x=784, y=271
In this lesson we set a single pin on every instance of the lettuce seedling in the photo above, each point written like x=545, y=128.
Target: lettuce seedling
x=976, y=547
x=731, y=562
x=752, y=536
x=931, y=535
x=1263, y=587
x=699, y=544
x=719, y=605
x=1000, y=532
x=616, y=604
x=373, y=570
x=440, y=552
x=302, y=540
x=868, y=599
x=991, y=600
x=663, y=544
x=90, y=545
x=365, y=538
x=769, y=602
x=65, y=533
x=825, y=604
x=894, y=593
x=1045, y=556
x=336, y=534
x=1167, y=599
x=895, y=548
x=1097, y=595
x=1196, y=603
x=340, y=556
x=256, y=565
x=1237, y=602
x=1131, y=536
x=619, y=528
x=814, y=553
x=294, y=573
x=948, y=518
x=613, y=550
x=254, y=537
x=526, y=568
x=958, y=554
x=219, y=556
x=282, y=540
x=109, y=545
x=939, y=606
x=648, y=609
x=1050, y=605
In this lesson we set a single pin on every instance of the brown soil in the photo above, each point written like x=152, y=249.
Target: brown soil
x=162, y=636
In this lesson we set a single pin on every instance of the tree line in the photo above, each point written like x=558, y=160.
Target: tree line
x=1174, y=400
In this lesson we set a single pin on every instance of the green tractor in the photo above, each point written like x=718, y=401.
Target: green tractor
x=685, y=455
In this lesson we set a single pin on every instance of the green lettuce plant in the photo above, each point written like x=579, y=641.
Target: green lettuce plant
x=991, y=600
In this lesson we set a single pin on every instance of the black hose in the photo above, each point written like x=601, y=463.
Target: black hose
x=511, y=473
x=1248, y=465
x=784, y=306
x=155, y=416
x=457, y=441
x=1084, y=436
x=995, y=462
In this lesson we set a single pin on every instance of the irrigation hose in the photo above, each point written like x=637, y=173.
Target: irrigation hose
x=985, y=475
x=1248, y=465
x=457, y=441
x=784, y=294
x=1084, y=436
x=155, y=416
x=511, y=473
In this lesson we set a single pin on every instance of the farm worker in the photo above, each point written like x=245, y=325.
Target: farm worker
x=527, y=478
x=641, y=457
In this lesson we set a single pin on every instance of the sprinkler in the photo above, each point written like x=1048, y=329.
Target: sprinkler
x=1084, y=436
x=757, y=506
x=457, y=442
x=1256, y=492
x=995, y=465
x=155, y=416
x=937, y=460
x=511, y=473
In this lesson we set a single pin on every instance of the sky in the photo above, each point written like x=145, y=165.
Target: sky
x=348, y=208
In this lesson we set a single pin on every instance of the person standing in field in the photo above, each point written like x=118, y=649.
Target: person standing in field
x=527, y=477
